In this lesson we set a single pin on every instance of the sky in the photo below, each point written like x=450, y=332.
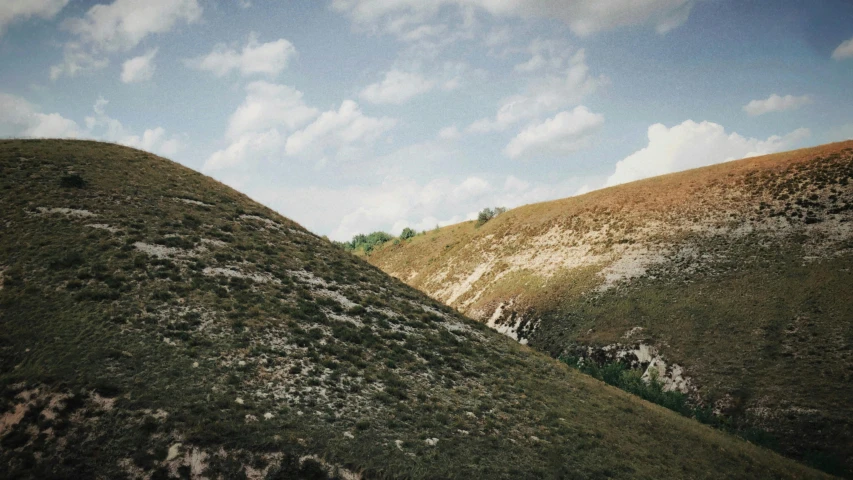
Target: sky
x=350, y=116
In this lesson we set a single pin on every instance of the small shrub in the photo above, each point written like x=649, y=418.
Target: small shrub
x=362, y=424
x=72, y=181
x=487, y=214
x=66, y=260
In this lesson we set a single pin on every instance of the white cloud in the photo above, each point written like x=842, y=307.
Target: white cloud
x=139, y=69
x=19, y=118
x=339, y=130
x=269, y=105
x=16, y=10
x=691, y=145
x=245, y=147
x=564, y=133
x=103, y=127
x=844, y=50
x=584, y=17
x=396, y=88
x=259, y=128
x=544, y=95
x=76, y=59
x=545, y=54
x=154, y=140
x=400, y=201
x=118, y=27
x=449, y=133
x=269, y=58
x=775, y=103
x=395, y=203
x=122, y=24
x=274, y=122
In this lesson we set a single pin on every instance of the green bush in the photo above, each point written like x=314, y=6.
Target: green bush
x=364, y=242
x=407, y=234
x=487, y=214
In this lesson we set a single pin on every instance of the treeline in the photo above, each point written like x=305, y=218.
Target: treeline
x=366, y=243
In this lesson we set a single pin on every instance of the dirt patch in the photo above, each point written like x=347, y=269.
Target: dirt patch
x=71, y=212
x=103, y=226
x=193, y=202
x=234, y=272
x=162, y=251
x=10, y=419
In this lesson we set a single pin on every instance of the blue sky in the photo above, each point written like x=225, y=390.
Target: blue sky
x=356, y=115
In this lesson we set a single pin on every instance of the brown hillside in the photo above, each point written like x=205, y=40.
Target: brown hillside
x=733, y=281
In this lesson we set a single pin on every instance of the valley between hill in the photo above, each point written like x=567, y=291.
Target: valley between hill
x=157, y=324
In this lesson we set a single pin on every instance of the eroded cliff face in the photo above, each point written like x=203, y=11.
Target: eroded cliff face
x=735, y=273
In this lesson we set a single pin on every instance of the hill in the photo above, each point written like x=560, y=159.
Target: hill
x=731, y=282
x=155, y=324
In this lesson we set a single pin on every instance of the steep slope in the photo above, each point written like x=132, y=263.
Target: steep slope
x=733, y=282
x=155, y=323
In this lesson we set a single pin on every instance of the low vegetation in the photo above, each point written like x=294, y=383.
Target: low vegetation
x=487, y=214
x=157, y=324
x=365, y=243
x=737, y=273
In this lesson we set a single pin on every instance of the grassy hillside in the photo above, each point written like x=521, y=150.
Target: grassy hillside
x=732, y=281
x=156, y=324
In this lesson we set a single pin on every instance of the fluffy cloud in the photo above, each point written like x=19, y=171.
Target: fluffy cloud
x=103, y=127
x=399, y=201
x=339, y=130
x=269, y=58
x=845, y=50
x=274, y=121
x=269, y=105
x=154, y=140
x=261, y=124
x=139, y=69
x=584, y=17
x=564, y=133
x=396, y=88
x=122, y=24
x=775, y=103
x=16, y=10
x=404, y=82
x=117, y=27
x=544, y=95
x=245, y=147
x=692, y=145
x=19, y=118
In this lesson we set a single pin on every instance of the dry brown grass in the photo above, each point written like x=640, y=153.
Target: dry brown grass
x=716, y=263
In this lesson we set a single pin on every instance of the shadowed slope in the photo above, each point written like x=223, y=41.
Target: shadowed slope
x=155, y=323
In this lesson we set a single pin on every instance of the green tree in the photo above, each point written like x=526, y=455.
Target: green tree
x=407, y=234
x=484, y=216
